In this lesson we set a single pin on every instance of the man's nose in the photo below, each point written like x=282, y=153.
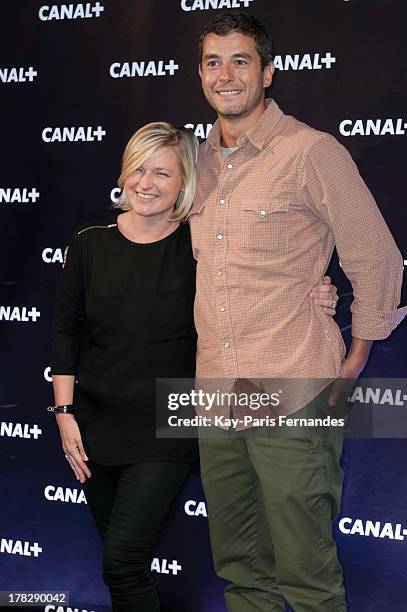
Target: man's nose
x=226, y=73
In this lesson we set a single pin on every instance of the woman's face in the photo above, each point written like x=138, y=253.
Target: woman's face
x=153, y=189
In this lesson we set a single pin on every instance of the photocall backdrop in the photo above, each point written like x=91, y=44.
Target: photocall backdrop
x=76, y=80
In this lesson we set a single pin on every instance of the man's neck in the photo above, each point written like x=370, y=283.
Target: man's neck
x=232, y=128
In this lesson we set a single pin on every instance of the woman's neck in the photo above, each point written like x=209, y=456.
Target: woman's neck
x=145, y=229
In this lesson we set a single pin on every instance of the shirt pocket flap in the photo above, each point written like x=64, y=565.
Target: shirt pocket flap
x=263, y=207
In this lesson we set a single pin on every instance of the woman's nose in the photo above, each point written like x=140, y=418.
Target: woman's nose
x=146, y=181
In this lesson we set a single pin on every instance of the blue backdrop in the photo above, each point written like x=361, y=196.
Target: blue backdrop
x=76, y=80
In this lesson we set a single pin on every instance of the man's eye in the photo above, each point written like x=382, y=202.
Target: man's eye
x=212, y=63
x=241, y=62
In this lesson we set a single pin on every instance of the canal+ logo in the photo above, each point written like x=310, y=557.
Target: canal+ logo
x=373, y=127
x=20, y=314
x=73, y=134
x=19, y=195
x=163, y=566
x=17, y=75
x=206, y=5
x=374, y=529
x=19, y=430
x=18, y=547
x=195, y=508
x=154, y=68
x=51, y=608
x=306, y=61
x=115, y=195
x=50, y=255
x=89, y=10
x=64, y=494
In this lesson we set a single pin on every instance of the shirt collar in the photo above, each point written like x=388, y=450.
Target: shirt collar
x=258, y=134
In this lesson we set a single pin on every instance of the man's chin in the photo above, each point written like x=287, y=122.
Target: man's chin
x=227, y=110
x=230, y=112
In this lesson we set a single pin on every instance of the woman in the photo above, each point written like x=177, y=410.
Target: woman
x=124, y=317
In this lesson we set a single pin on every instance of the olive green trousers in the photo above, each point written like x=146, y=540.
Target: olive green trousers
x=271, y=502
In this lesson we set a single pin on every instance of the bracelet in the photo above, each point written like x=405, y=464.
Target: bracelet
x=65, y=409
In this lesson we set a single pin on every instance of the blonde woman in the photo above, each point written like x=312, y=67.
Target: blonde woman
x=124, y=317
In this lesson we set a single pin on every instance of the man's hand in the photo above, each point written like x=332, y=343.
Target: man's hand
x=72, y=445
x=325, y=295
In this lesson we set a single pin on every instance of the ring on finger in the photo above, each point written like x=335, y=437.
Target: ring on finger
x=67, y=457
x=333, y=304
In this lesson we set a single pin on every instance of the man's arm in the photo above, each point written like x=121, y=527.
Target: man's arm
x=356, y=358
x=366, y=249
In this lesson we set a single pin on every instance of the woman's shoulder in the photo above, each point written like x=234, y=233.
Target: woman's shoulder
x=90, y=236
x=96, y=225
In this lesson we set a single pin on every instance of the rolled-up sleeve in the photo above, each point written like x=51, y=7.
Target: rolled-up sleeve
x=369, y=256
x=69, y=314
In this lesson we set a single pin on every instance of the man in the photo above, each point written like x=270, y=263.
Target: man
x=274, y=196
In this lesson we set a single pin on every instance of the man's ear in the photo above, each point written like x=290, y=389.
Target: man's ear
x=200, y=70
x=268, y=73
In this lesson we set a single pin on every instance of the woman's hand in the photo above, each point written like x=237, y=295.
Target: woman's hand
x=325, y=295
x=72, y=445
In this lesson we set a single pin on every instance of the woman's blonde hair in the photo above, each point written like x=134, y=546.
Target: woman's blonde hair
x=155, y=137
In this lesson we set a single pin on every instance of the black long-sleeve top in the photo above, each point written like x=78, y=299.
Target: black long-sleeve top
x=124, y=317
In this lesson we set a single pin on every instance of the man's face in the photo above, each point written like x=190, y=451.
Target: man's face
x=232, y=78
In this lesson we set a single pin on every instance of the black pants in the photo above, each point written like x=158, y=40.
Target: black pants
x=128, y=504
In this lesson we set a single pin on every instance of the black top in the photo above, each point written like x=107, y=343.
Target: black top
x=124, y=317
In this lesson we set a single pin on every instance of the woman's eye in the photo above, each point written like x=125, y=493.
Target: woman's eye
x=162, y=173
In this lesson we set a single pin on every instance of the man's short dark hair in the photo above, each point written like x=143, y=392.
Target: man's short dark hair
x=226, y=23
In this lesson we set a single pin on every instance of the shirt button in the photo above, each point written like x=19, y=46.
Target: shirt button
x=221, y=201
x=219, y=237
x=219, y=273
x=222, y=308
x=230, y=166
x=226, y=344
x=263, y=213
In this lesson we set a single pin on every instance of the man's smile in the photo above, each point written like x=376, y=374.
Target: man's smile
x=228, y=92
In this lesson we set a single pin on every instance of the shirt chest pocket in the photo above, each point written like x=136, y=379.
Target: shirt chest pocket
x=263, y=226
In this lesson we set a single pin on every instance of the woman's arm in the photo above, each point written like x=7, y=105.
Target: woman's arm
x=68, y=427
x=67, y=335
